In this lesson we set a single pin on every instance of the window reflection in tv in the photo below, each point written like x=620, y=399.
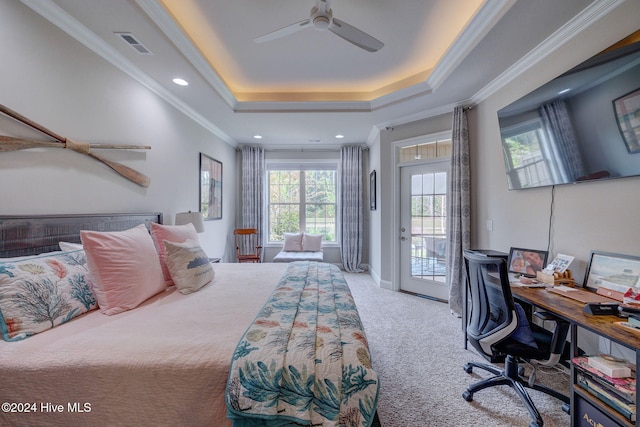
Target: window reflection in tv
x=569, y=130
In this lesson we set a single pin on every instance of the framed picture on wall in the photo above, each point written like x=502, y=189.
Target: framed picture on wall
x=372, y=191
x=627, y=110
x=210, y=187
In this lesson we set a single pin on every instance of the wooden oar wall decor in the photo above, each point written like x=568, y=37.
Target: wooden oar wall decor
x=13, y=144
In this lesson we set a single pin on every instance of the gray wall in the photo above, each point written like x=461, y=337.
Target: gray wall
x=596, y=215
x=53, y=80
x=593, y=215
x=384, y=258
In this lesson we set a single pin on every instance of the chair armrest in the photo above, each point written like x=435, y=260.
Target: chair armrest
x=545, y=315
x=559, y=337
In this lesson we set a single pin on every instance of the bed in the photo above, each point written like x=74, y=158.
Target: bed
x=164, y=362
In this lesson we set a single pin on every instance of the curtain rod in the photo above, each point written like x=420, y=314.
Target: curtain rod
x=302, y=150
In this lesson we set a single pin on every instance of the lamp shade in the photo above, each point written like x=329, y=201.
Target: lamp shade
x=194, y=218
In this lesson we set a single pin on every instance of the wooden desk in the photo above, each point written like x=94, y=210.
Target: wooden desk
x=572, y=311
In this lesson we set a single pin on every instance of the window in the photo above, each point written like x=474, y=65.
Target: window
x=526, y=162
x=302, y=198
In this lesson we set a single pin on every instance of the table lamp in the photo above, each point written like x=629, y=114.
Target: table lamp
x=194, y=218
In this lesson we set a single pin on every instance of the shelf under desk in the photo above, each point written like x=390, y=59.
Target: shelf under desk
x=572, y=311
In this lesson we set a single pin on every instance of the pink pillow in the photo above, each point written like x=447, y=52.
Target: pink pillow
x=174, y=234
x=124, y=268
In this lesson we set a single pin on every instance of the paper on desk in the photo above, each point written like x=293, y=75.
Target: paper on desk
x=527, y=285
x=564, y=288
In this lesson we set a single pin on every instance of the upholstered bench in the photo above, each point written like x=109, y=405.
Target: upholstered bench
x=300, y=247
x=291, y=256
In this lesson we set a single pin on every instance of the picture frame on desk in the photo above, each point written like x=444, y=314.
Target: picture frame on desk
x=526, y=262
x=612, y=271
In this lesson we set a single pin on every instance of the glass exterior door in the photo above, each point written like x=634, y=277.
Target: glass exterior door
x=423, y=231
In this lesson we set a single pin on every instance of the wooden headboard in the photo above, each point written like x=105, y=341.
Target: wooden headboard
x=31, y=235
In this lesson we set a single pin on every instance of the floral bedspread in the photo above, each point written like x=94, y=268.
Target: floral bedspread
x=305, y=358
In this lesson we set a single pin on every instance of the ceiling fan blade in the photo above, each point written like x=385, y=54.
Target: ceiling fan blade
x=355, y=36
x=284, y=31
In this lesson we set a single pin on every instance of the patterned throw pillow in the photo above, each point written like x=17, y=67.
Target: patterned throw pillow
x=189, y=266
x=44, y=291
x=172, y=233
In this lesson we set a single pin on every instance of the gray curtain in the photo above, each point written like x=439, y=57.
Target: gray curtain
x=351, y=215
x=252, y=188
x=563, y=140
x=458, y=210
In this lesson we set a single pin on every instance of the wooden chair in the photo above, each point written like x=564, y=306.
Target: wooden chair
x=248, y=248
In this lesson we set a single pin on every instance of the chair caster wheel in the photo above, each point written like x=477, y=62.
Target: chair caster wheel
x=468, y=368
x=466, y=395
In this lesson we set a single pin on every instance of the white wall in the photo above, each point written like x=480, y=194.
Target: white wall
x=55, y=81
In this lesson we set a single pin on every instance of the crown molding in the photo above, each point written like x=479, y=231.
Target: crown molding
x=481, y=23
x=57, y=16
x=168, y=26
x=594, y=12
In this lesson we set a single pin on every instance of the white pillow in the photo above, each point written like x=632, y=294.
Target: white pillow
x=292, y=242
x=68, y=246
x=188, y=265
x=312, y=242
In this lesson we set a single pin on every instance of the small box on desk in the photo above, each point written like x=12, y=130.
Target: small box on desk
x=565, y=278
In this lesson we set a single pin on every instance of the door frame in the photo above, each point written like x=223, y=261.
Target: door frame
x=395, y=184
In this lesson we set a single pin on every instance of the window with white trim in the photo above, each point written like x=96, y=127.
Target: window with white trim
x=302, y=197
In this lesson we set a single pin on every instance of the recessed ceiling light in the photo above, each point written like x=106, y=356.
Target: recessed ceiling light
x=338, y=136
x=257, y=136
x=180, y=82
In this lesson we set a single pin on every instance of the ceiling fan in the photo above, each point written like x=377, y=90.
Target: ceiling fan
x=321, y=19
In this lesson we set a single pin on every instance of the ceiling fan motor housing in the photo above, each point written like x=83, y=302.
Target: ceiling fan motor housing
x=321, y=19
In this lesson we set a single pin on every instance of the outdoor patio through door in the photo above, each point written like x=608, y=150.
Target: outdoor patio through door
x=423, y=229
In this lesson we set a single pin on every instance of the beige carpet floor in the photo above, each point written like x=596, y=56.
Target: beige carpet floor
x=417, y=351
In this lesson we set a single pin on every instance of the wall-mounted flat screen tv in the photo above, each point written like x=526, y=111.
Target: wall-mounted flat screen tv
x=583, y=125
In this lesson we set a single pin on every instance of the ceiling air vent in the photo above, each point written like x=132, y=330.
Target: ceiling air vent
x=132, y=41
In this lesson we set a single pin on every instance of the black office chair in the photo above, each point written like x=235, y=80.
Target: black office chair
x=493, y=324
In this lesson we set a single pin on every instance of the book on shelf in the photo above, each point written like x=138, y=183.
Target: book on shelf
x=623, y=393
x=623, y=387
x=611, y=368
x=628, y=411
